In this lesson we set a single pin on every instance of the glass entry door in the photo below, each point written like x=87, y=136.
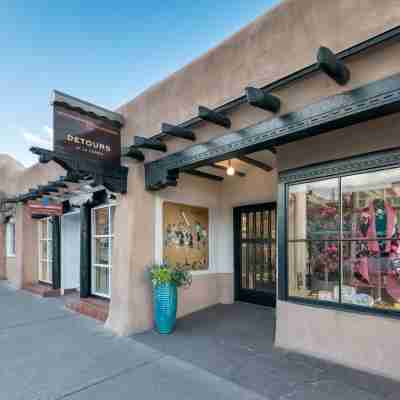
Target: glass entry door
x=255, y=253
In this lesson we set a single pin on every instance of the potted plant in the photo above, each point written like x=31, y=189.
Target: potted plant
x=165, y=281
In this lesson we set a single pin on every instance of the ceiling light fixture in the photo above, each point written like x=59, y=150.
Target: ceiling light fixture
x=230, y=171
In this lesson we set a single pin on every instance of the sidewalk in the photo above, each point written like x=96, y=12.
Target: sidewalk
x=47, y=352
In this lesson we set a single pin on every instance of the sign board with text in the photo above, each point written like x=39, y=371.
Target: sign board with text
x=82, y=137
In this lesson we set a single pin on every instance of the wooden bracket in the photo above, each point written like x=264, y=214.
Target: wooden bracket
x=266, y=101
x=177, y=131
x=332, y=66
x=215, y=117
x=134, y=153
x=151, y=144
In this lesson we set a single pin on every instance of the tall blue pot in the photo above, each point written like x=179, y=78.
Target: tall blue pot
x=165, y=304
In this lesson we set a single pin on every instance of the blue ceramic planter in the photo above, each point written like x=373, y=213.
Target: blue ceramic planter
x=165, y=304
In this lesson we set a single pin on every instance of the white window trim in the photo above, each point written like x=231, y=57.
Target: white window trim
x=93, y=250
x=10, y=241
x=159, y=233
x=49, y=241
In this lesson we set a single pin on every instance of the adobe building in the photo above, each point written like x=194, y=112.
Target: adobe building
x=270, y=167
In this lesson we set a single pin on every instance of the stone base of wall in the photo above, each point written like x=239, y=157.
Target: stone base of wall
x=91, y=307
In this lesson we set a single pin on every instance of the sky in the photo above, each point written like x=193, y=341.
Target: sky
x=105, y=52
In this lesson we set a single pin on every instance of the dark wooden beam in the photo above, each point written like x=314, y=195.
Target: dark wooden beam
x=266, y=101
x=47, y=188
x=367, y=102
x=332, y=66
x=390, y=36
x=255, y=163
x=150, y=144
x=59, y=184
x=223, y=168
x=205, y=175
x=134, y=153
x=177, y=131
x=215, y=117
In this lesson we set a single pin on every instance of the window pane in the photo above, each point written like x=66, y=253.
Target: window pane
x=112, y=214
x=50, y=250
x=50, y=271
x=314, y=270
x=101, y=221
x=370, y=280
x=43, y=253
x=371, y=264
x=101, y=280
x=49, y=229
x=43, y=223
x=371, y=204
x=101, y=249
x=44, y=275
x=314, y=210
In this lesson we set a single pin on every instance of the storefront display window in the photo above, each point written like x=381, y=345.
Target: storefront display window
x=45, y=251
x=344, y=240
x=103, y=234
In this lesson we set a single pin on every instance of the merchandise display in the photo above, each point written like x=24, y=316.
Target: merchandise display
x=344, y=233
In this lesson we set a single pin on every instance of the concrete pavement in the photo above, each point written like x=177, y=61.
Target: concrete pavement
x=225, y=352
x=47, y=352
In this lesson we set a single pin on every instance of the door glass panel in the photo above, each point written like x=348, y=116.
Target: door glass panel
x=101, y=280
x=244, y=226
x=101, y=221
x=250, y=217
x=102, y=255
x=244, y=271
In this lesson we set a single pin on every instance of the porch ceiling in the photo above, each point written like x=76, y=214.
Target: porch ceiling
x=364, y=103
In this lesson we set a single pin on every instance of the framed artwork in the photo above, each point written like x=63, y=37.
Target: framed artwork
x=185, y=236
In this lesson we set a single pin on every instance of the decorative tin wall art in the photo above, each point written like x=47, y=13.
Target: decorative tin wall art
x=185, y=235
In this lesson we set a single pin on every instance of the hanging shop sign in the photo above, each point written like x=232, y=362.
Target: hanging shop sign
x=39, y=208
x=84, y=135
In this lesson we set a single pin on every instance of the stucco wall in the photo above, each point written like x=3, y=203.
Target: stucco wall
x=139, y=242
x=22, y=270
x=274, y=45
x=359, y=341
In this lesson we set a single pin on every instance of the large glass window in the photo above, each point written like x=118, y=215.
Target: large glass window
x=103, y=234
x=10, y=239
x=45, y=251
x=344, y=240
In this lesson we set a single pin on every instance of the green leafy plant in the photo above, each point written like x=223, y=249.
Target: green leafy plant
x=161, y=274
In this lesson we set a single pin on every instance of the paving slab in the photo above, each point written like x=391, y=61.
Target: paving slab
x=167, y=379
x=235, y=342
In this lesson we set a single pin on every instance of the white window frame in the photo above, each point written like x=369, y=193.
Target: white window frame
x=10, y=239
x=110, y=237
x=49, y=243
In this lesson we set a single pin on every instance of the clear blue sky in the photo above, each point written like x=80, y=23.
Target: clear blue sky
x=105, y=52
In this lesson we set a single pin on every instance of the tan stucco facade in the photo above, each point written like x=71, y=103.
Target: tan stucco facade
x=278, y=43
